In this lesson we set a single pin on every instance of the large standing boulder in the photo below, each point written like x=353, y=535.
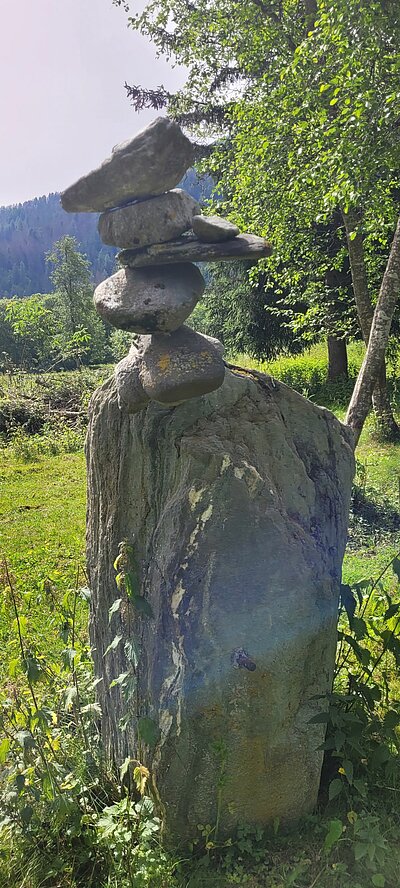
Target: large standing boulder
x=236, y=505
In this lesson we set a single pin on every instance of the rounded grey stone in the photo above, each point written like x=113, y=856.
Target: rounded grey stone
x=152, y=162
x=147, y=222
x=143, y=300
x=178, y=366
x=130, y=392
x=214, y=229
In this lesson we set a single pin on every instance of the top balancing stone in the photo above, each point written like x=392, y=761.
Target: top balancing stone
x=152, y=162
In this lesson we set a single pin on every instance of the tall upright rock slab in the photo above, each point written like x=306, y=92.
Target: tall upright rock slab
x=237, y=506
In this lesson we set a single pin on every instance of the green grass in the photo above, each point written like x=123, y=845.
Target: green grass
x=374, y=533
x=42, y=527
x=42, y=518
x=307, y=373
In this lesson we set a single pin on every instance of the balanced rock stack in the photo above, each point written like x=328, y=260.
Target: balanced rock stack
x=161, y=233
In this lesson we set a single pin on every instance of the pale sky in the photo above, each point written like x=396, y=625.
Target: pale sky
x=63, y=106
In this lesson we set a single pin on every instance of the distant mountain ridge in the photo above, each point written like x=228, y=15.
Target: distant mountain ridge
x=28, y=231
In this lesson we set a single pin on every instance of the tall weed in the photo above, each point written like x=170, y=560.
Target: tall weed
x=65, y=818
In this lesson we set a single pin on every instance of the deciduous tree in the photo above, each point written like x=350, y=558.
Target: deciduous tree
x=301, y=101
x=82, y=332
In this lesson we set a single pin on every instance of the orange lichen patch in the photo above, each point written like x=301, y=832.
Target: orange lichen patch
x=164, y=362
x=206, y=355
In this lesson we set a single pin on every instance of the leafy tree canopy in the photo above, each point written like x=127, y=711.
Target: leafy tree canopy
x=300, y=99
x=82, y=332
x=60, y=329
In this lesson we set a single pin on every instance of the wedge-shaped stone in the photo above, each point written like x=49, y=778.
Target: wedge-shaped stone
x=151, y=221
x=214, y=229
x=152, y=162
x=190, y=249
x=130, y=392
x=144, y=300
x=216, y=343
x=179, y=366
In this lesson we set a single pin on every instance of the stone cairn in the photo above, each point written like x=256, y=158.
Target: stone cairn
x=161, y=233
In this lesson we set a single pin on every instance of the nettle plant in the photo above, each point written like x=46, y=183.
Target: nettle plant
x=363, y=717
x=49, y=747
x=65, y=817
x=128, y=584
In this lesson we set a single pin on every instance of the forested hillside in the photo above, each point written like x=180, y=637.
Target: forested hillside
x=28, y=231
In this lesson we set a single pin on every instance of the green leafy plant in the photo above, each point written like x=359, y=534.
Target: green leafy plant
x=65, y=818
x=129, y=831
x=363, y=717
x=128, y=584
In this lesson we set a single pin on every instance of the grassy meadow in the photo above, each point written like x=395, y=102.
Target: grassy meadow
x=64, y=821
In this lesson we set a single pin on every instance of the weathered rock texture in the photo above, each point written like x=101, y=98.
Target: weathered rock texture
x=216, y=343
x=190, y=249
x=237, y=504
x=149, y=221
x=177, y=366
x=147, y=299
x=214, y=228
x=150, y=163
x=130, y=392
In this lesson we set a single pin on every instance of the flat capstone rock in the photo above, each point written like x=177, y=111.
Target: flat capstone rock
x=147, y=222
x=189, y=249
x=130, y=392
x=147, y=300
x=178, y=366
x=214, y=229
x=152, y=162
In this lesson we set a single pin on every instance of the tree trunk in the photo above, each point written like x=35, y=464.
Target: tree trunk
x=237, y=505
x=355, y=246
x=337, y=359
x=379, y=335
x=310, y=9
x=387, y=425
x=380, y=398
